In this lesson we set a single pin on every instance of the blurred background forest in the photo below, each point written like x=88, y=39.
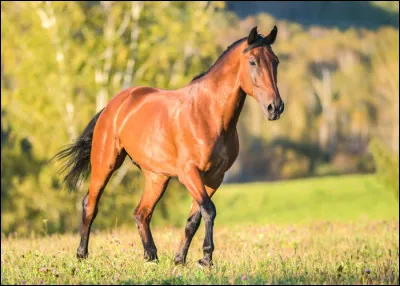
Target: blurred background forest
x=61, y=62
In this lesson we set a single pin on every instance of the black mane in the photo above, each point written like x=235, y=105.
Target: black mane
x=227, y=49
x=199, y=75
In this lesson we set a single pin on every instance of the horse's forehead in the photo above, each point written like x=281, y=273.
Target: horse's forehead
x=269, y=49
x=265, y=51
x=262, y=50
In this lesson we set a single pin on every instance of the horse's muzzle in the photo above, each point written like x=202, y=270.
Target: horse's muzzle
x=273, y=113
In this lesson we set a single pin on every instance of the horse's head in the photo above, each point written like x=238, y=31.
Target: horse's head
x=258, y=73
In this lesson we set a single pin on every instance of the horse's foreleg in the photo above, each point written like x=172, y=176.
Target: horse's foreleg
x=193, y=222
x=155, y=185
x=192, y=225
x=191, y=178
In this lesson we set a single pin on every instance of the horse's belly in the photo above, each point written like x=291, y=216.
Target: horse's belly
x=145, y=136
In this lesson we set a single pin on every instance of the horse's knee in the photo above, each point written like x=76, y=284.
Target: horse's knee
x=208, y=211
x=142, y=215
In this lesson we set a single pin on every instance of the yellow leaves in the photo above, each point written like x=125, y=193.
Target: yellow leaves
x=358, y=119
x=391, y=6
x=219, y=4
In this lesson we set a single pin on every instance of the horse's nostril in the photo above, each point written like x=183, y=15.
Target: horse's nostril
x=270, y=108
x=281, y=108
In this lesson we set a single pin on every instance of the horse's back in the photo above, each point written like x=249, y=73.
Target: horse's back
x=119, y=106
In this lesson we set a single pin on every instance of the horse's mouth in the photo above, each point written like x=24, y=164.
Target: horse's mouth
x=271, y=116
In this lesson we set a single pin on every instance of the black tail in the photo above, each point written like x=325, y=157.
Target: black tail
x=76, y=156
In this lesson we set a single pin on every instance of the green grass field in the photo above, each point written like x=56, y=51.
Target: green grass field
x=336, y=199
x=333, y=230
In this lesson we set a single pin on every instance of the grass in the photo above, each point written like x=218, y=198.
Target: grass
x=365, y=253
x=334, y=230
x=335, y=199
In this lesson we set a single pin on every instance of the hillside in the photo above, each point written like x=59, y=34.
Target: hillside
x=340, y=14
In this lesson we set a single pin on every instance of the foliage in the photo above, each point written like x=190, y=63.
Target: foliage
x=387, y=166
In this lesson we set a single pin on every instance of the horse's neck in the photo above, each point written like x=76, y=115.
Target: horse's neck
x=220, y=89
x=232, y=113
x=230, y=108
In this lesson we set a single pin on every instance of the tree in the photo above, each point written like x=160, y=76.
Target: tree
x=62, y=62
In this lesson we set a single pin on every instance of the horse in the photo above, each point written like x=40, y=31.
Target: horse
x=189, y=133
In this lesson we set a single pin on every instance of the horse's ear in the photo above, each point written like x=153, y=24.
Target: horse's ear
x=252, y=36
x=270, y=39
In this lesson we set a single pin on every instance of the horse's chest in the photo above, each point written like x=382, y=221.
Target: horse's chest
x=220, y=158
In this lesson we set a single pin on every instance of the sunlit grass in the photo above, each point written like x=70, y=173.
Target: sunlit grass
x=332, y=230
x=335, y=199
x=352, y=253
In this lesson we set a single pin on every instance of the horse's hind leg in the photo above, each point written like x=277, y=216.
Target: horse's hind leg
x=103, y=166
x=155, y=185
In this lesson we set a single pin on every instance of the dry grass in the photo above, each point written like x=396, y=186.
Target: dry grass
x=316, y=253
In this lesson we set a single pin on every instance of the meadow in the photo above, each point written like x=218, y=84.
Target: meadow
x=332, y=230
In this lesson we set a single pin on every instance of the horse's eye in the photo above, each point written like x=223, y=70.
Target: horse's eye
x=252, y=62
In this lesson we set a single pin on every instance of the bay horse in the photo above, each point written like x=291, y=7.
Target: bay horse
x=189, y=133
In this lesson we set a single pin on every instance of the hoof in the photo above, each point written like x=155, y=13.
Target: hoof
x=82, y=255
x=204, y=263
x=150, y=255
x=179, y=261
x=150, y=258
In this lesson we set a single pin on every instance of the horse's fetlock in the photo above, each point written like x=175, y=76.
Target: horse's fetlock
x=208, y=248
